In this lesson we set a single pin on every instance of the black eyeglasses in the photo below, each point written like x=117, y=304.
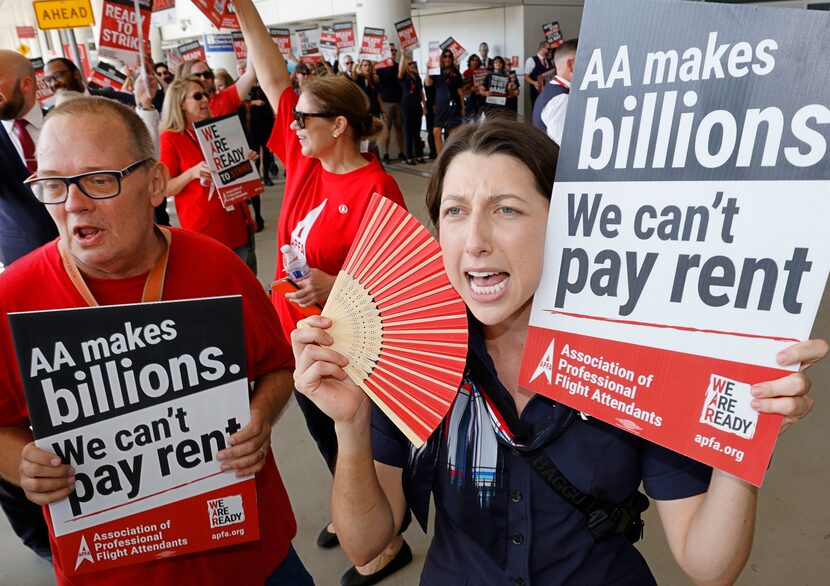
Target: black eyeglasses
x=95, y=184
x=300, y=117
x=208, y=74
x=54, y=75
x=199, y=96
x=446, y=56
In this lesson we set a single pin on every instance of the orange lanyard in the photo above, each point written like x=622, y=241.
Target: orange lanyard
x=153, y=286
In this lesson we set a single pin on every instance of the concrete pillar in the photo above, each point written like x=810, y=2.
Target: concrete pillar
x=381, y=14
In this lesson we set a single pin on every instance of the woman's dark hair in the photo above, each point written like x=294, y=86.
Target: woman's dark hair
x=500, y=58
x=334, y=93
x=472, y=58
x=527, y=144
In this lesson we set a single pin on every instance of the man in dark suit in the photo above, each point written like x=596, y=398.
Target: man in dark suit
x=24, y=226
x=24, y=222
x=62, y=74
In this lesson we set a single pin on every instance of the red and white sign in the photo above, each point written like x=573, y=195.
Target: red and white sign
x=25, y=32
x=84, y=55
x=684, y=251
x=173, y=58
x=164, y=13
x=434, y=58
x=225, y=148
x=308, y=40
x=373, y=43
x=191, y=51
x=119, y=30
x=407, y=35
x=106, y=75
x=553, y=34
x=454, y=47
x=282, y=39
x=240, y=49
x=328, y=44
x=386, y=59
x=148, y=484
x=344, y=31
x=218, y=12
x=43, y=92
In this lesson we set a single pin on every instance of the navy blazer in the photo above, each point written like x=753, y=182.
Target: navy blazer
x=24, y=222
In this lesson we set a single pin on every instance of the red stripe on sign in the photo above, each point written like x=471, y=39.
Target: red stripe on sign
x=670, y=327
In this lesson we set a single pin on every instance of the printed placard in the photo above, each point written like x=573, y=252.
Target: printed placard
x=119, y=37
x=106, y=75
x=344, y=31
x=434, y=58
x=498, y=89
x=225, y=149
x=164, y=13
x=191, y=51
x=218, y=12
x=553, y=34
x=308, y=40
x=282, y=39
x=139, y=399
x=328, y=44
x=407, y=35
x=687, y=241
x=43, y=92
x=371, y=47
x=240, y=49
x=454, y=47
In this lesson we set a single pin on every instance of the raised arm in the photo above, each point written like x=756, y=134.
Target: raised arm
x=246, y=82
x=402, y=65
x=266, y=58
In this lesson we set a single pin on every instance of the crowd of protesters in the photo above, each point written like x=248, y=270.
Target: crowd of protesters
x=331, y=126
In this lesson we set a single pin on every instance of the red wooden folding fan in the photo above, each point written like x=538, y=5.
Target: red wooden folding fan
x=399, y=321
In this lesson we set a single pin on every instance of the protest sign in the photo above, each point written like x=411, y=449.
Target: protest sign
x=282, y=39
x=498, y=89
x=687, y=240
x=173, y=58
x=553, y=34
x=139, y=399
x=407, y=35
x=119, y=30
x=225, y=148
x=386, y=59
x=164, y=13
x=308, y=40
x=106, y=75
x=434, y=58
x=191, y=51
x=218, y=12
x=454, y=47
x=240, y=49
x=43, y=92
x=328, y=44
x=371, y=46
x=344, y=31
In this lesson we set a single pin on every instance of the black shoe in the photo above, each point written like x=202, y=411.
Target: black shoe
x=260, y=224
x=353, y=578
x=267, y=181
x=274, y=170
x=386, y=158
x=421, y=160
x=327, y=540
x=401, y=157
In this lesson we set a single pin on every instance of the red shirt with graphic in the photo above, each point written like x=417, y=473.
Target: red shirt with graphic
x=321, y=211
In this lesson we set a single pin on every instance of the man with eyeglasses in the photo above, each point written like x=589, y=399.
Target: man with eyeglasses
x=99, y=180
x=62, y=74
x=228, y=100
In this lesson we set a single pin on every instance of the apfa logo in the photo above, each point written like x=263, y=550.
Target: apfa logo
x=83, y=553
x=545, y=365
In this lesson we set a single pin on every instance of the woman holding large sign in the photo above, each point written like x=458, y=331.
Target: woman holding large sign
x=199, y=207
x=526, y=490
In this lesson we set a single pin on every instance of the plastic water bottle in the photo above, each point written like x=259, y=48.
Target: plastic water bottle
x=293, y=263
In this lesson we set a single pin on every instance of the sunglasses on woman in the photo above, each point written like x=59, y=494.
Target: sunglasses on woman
x=300, y=117
x=199, y=96
x=208, y=74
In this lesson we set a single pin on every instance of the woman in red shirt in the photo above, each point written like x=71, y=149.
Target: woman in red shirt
x=198, y=205
x=328, y=187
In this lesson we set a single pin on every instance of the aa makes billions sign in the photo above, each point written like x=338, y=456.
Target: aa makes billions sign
x=139, y=399
x=687, y=241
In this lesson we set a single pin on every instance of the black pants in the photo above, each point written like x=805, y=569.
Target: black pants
x=26, y=518
x=412, y=131
x=321, y=428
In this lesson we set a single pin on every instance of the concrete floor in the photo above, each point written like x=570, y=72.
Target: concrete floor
x=792, y=543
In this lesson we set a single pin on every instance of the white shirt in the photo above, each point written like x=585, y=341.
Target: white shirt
x=35, y=119
x=553, y=114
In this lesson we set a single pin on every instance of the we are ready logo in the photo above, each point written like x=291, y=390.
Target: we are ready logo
x=545, y=365
x=83, y=553
x=728, y=407
x=226, y=511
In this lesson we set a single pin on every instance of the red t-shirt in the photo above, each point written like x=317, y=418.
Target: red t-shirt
x=39, y=282
x=179, y=152
x=225, y=102
x=321, y=211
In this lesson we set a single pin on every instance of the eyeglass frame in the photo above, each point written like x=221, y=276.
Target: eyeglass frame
x=299, y=117
x=202, y=95
x=206, y=74
x=61, y=73
x=76, y=180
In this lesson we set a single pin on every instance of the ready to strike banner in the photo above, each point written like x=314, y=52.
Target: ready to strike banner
x=407, y=35
x=434, y=58
x=328, y=44
x=139, y=399
x=687, y=242
x=106, y=75
x=454, y=47
x=240, y=49
x=282, y=39
x=191, y=51
x=223, y=144
x=553, y=34
x=119, y=30
x=344, y=31
x=218, y=12
x=43, y=92
x=308, y=41
x=371, y=47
